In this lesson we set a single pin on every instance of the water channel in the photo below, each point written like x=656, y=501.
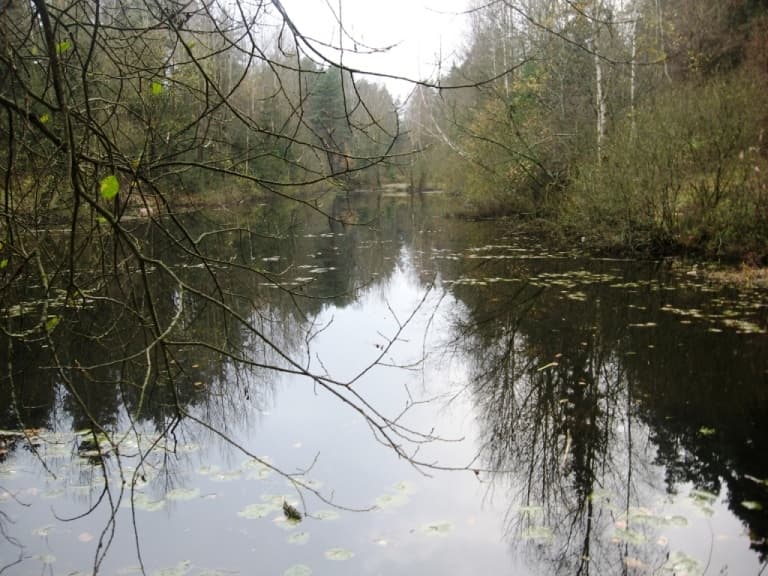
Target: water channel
x=499, y=408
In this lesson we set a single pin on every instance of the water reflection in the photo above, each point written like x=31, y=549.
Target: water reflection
x=617, y=412
x=606, y=407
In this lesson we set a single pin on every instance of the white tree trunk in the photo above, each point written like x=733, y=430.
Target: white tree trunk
x=600, y=91
x=633, y=73
x=662, y=40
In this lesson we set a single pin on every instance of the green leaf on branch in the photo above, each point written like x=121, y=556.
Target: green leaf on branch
x=52, y=322
x=110, y=187
x=157, y=88
x=62, y=47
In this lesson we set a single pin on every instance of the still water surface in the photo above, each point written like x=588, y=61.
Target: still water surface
x=553, y=414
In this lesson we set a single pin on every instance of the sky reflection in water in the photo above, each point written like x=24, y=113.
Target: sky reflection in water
x=556, y=372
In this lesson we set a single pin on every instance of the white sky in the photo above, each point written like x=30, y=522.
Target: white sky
x=425, y=31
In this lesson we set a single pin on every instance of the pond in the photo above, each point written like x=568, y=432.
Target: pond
x=483, y=405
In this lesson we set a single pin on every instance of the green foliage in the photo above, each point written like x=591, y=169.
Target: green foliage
x=686, y=171
x=62, y=47
x=109, y=187
x=629, y=126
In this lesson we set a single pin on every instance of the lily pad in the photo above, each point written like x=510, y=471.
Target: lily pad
x=437, y=528
x=183, y=494
x=226, y=476
x=254, y=511
x=286, y=523
x=298, y=570
x=682, y=565
x=629, y=536
x=144, y=502
x=339, y=554
x=43, y=531
x=391, y=500
x=259, y=474
x=702, y=496
x=179, y=570
x=649, y=518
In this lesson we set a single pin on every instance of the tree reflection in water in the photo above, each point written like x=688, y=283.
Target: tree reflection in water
x=572, y=427
x=596, y=403
x=136, y=372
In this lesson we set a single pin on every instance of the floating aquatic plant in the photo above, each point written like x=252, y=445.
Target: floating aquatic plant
x=254, y=511
x=629, y=536
x=47, y=559
x=437, y=528
x=43, y=531
x=298, y=570
x=681, y=564
x=179, y=570
x=226, y=476
x=286, y=523
x=386, y=501
x=339, y=554
x=144, y=502
x=183, y=494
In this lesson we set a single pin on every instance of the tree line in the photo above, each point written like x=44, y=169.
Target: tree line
x=637, y=125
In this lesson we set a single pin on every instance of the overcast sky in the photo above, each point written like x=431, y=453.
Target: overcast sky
x=424, y=31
